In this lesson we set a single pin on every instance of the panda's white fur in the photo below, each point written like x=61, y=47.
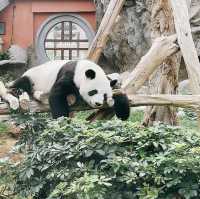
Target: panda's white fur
x=44, y=75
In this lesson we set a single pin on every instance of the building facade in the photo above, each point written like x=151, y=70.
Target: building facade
x=56, y=29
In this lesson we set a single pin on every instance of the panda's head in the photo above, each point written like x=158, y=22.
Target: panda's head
x=95, y=89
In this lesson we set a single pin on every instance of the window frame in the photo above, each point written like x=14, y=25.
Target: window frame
x=63, y=40
x=49, y=23
x=4, y=27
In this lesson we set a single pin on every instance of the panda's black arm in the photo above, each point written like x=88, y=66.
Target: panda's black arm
x=58, y=97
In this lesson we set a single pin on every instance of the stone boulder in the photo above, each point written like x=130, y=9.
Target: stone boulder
x=17, y=54
x=184, y=88
x=17, y=63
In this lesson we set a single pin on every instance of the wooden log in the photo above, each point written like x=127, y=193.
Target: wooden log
x=161, y=49
x=165, y=79
x=186, y=43
x=105, y=29
x=185, y=101
x=187, y=46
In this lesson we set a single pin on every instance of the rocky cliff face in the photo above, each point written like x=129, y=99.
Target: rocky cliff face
x=131, y=37
x=195, y=22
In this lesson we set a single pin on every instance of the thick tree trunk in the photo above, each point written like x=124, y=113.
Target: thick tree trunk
x=165, y=79
x=183, y=29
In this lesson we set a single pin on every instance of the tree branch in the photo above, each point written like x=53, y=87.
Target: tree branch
x=105, y=29
x=161, y=49
x=185, y=101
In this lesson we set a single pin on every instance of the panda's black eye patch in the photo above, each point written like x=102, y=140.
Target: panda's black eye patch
x=92, y=92
x=90, y=74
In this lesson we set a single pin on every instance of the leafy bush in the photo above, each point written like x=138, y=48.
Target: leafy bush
x=69, y=159
x=7, y=176
x=4, y=55
x=3, y=128
x=189, y=120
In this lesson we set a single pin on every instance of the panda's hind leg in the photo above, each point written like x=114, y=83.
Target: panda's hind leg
x=23, y=84
x=22, y=88
x=12, y=100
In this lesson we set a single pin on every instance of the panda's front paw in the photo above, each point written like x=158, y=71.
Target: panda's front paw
x=110, y=102
x=13, y=101
x=24, y=101
x=24, y=96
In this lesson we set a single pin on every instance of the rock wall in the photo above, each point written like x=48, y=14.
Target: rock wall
x=131, y=37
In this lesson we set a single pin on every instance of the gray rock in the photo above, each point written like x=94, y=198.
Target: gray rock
x=16, y=65
x=17, y=54
x=184, y=88
x=130, y=39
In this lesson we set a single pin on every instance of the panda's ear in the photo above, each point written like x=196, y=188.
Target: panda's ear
x=90, y=74
x=113, y=83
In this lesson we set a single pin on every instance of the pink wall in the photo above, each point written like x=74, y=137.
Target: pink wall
x=30, y=14
x=39, y=18
x=62, y=6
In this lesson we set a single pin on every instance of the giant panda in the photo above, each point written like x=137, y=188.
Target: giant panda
x=81, y=78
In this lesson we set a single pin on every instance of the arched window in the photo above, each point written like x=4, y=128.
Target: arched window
x=63, y=37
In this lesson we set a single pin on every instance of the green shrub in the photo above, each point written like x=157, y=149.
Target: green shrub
x=70, y=159
x=3, y=128
x=4, y=55
x=189, y=120
x=7, y=182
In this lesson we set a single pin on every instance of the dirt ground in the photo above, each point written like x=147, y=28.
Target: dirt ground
x=7, y=142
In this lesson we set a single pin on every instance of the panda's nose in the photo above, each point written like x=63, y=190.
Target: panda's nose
x=98, y=104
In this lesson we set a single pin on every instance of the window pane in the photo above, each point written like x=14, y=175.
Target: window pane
x=50, y=45
x=66, y=54
x=2, y=28
x=82, y=54
x=75, y=54
x=53, y=54
x=50, y=54
x=63, y=36
x=66, y=31
x=67, y=45
x=57, y=55
x=84, y=45
x=77, y=32
x=55, y=32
